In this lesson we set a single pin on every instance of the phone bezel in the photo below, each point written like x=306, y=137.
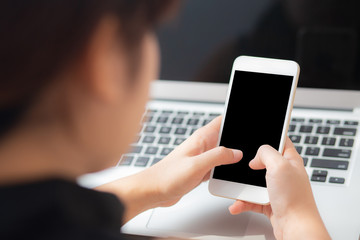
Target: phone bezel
x=241, y=191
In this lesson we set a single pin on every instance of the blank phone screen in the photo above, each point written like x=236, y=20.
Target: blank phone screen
x=255, y=116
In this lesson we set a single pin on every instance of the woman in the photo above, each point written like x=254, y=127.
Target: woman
x=75, y=77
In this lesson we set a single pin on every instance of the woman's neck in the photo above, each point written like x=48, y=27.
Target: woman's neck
x=34, y=153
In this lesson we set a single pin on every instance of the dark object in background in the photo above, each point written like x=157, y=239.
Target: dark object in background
x=323, y=36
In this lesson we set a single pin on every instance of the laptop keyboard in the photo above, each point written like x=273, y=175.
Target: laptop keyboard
x=161, y=132
x=326, y=145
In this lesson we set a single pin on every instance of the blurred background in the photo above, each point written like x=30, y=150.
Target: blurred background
x=201, y=43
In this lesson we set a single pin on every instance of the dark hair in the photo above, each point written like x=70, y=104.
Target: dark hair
x=39, y=37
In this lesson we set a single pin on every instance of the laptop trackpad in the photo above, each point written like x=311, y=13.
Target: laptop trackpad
x=199, y=212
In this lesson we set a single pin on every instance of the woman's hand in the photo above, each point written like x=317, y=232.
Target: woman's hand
x=177, y=174
x=292, y=210
x=190, y=164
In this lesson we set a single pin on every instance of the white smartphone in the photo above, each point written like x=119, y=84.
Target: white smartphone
x=257, y=112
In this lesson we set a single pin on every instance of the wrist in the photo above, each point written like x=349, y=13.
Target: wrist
x=305, y=225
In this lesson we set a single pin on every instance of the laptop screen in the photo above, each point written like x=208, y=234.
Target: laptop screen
x=201, y=43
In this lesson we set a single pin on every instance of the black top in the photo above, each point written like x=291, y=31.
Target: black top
x=57, y=209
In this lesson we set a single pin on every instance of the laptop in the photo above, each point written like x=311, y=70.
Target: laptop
x=198, y=48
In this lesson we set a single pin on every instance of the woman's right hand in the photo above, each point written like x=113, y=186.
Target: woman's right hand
x=292, y=210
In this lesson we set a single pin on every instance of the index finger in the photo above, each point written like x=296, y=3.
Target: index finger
x=214, y=125
x=207, y=136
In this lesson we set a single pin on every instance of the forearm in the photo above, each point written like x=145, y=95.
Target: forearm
x=134, y=192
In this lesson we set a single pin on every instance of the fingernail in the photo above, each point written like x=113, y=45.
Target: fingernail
x=237, y=154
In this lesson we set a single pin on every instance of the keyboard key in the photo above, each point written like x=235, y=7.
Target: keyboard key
x=346, y=142
x=166, y=151
x=299, y=149
x=352, y=123
x=214, y=115
x=183, y=112
x=136, y=149
x=311, y=140
x=345, y=131
x=321, y=173
x=179, y=141
x=330, y=164
x=306, y=129
x=149, y=129
x=199, y=113
x=167, y=111
x=177, y=120
x=328, y=141
x=196, y=128
x=164, y=140
x=156, y=160
x=318, y=179
x=298, y=120
x=151, y=150
x=207, y=121
x=162, y=119
x=295, y=138
x=142, y=161
x=333, y=122
x=306, y=160
x=312, y=151
x=165, y=130
x=292, y=128
x=323, y=130
x=126, y=160
x=148, y=139
x=337, y=153
x=180, y=131
x=315, y=120
x=193, y=121
x=338, y=180
x=192, y=131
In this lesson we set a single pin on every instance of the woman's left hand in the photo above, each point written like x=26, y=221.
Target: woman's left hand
x=177, y=174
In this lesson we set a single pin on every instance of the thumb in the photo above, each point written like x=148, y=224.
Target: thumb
x=218, y=156
x=266, y=157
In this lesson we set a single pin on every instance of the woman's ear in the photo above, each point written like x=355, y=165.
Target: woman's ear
x=103, y=68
